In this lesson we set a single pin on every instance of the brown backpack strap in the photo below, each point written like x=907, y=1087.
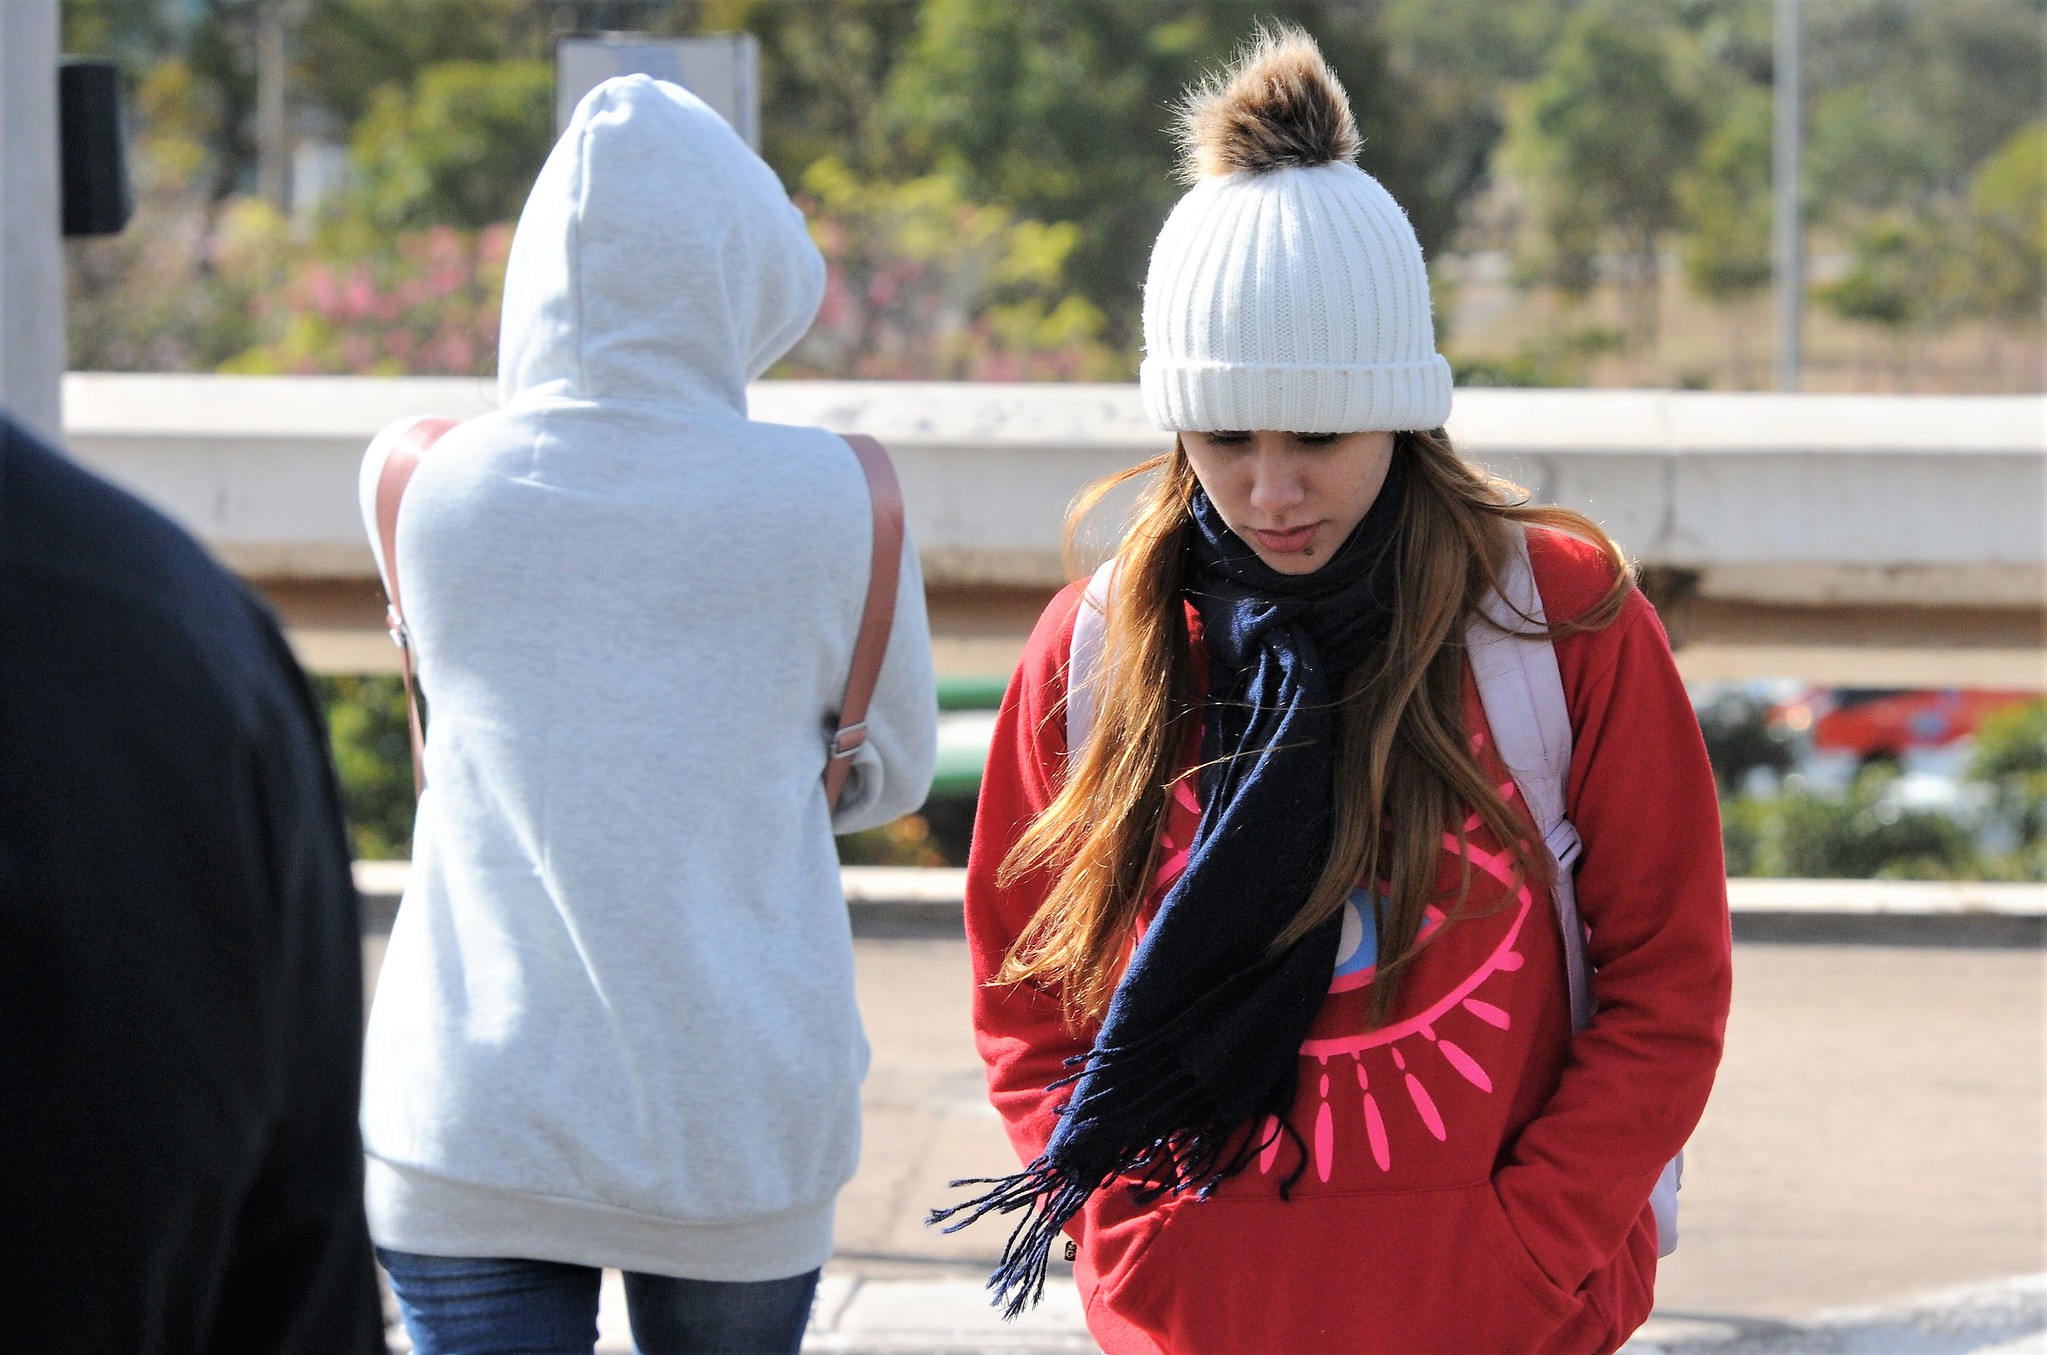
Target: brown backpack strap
x=876, y=617
x=399, y=464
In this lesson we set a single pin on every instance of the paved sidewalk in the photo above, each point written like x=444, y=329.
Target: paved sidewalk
x=1868, y=1179
x=861, y=1316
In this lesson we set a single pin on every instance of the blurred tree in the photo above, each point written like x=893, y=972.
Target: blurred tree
x=1865, y=835
x=1905, y=276
x=1868, y=836
x=459, y=148
x=1909, y=98
x=133, y=32
x=2008, y=220
x=2011, y=759
x=1726, y=202
x=1599, y=142
x=823, y=66
x=367, y=731
x=825, y=71
x=1866, y=152
x=156, y=297
x=925, y=285
x=1483, y=42
x=1061, y=111
x=422, y=302
x=1058, y=110
x=907, y=841
x=347, y=50
x=1973, y=68
x=1740, y=739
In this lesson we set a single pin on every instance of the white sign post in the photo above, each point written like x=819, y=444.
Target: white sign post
x=723, y=71
x=31, y=219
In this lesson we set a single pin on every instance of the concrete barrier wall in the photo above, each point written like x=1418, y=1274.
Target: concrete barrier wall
x=1766, y=522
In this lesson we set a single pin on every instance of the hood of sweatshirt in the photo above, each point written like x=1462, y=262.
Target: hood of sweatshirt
x=657, y=259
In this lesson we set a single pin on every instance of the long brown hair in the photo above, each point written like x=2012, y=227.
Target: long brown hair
x=1403, y=758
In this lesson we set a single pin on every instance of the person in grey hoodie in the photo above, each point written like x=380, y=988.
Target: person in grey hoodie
x=615, y=1025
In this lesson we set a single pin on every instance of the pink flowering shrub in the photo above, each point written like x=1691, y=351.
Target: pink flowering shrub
x=421, y=303
x=923, y=285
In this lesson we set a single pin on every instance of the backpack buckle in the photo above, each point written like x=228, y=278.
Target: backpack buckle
x=1564, y=843
x=847, y=741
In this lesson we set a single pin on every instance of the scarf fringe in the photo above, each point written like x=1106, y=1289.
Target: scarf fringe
x=1194, y=1160
x=1053, y=1197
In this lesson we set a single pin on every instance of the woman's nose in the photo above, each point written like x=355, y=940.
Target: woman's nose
x=1275, y=485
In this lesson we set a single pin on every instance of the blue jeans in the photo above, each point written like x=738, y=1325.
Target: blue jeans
x=470, y=1305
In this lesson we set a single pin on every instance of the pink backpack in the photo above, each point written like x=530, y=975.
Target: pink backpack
x=409, y=440
x=1523, y=693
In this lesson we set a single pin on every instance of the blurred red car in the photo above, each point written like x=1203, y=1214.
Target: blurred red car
x=1877, y=722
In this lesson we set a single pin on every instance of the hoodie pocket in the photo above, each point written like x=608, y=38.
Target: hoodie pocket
x=1427, y=1272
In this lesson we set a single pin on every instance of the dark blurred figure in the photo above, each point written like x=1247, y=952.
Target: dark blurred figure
x=180, y=972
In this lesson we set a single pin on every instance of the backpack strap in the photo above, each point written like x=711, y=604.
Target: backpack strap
x=408, y=442
x=1084, y=659
x=1522, y=690
x=876, y=618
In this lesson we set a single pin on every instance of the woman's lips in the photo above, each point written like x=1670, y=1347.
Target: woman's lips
x=1287, y=542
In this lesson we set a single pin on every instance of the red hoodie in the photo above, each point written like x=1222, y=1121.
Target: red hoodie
x=1476, y=1179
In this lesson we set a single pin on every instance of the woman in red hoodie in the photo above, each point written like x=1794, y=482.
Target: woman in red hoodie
x=1270, y=982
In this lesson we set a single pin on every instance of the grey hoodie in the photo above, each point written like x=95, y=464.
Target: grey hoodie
x=615, y=1024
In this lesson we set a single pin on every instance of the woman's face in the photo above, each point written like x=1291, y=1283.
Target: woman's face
x=1292, y=497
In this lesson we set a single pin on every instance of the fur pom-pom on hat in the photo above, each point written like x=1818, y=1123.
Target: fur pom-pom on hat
x=1286, y=290
x=1278, y=106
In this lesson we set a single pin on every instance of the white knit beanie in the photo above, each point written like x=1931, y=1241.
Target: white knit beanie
x=1286, y=291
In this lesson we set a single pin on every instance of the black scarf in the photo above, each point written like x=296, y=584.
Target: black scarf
x=1203, y=1034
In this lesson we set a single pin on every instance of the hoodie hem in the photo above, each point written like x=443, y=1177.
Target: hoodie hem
x=417, y=1211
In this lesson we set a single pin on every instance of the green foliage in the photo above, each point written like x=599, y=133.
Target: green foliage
x=1929, y=263
x=1725, y=197
x=2011, y=759
x=1557, y=357
x=130, y=31
x=1907, y=97
x=1482, y=41
x=907, y=841
x=1862, y=836
x=1600, y=141
x=348, y=51
x=1901, y=276
x=825, y=70
x=459, y=148
x=2008, y=214
x=1630, y=122
x=220, y=48
x=1867, y=834
x=1740, y=739
x=1919, y=154
x=423, y=302
x=172, y=292
x=1060, y=111
x=924, y=284
x=1866, y=151
x=368, y=734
